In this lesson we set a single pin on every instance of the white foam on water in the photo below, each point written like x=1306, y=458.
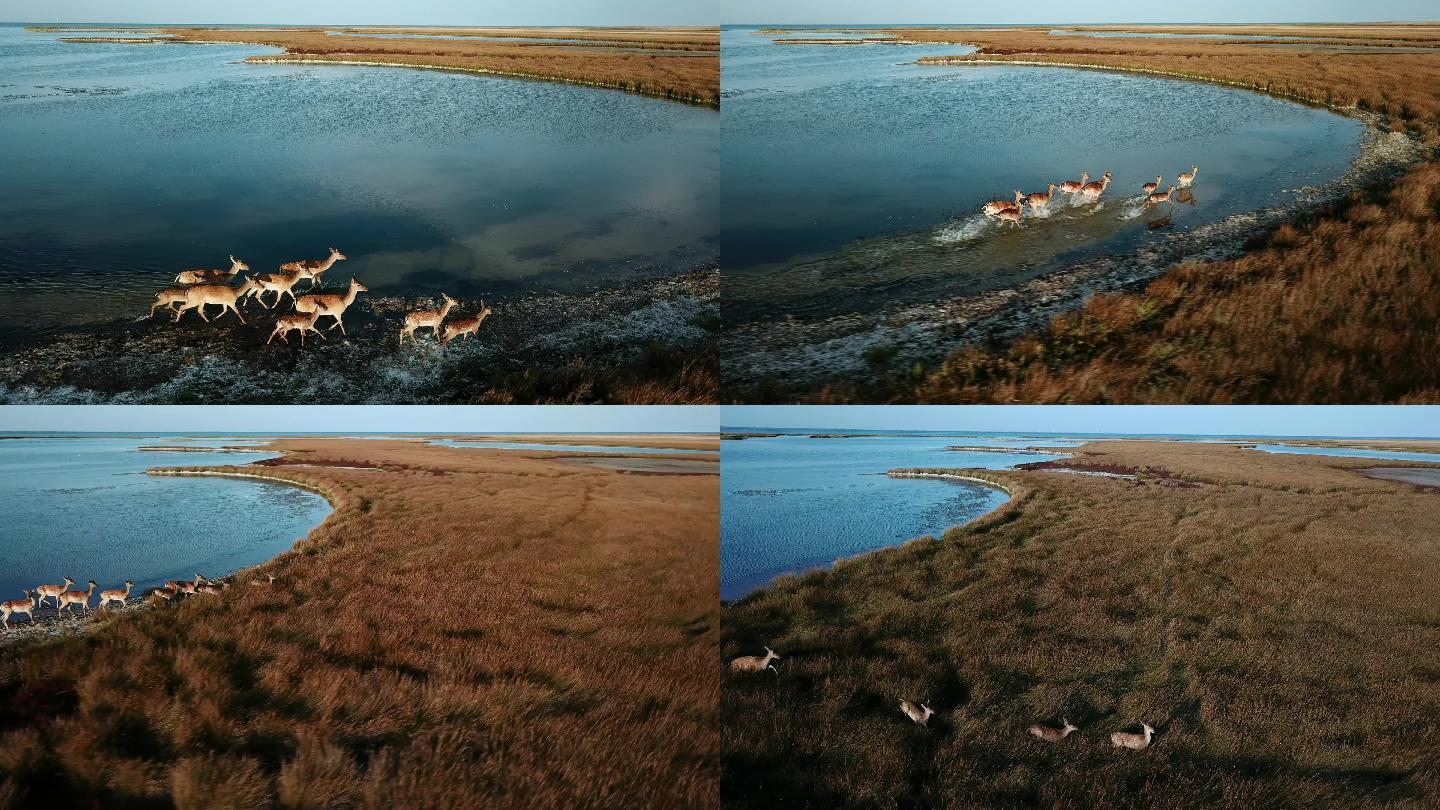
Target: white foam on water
x=965, y=230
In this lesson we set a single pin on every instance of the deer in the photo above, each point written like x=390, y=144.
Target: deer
x=180, y=586
x=920, y=714
x=1038, y=201
x=1054, y=735
x=1160, y=196
x=304, y=323
x=202, y=295
x=116, y=595
x=1149, y=188
x=260, y=582
x=81, y=598
x=1010, y=215
x=1092, y=191
x=994, y=207
x=168, y=298
x=422, y=318
x=51, y=592
x=26, y=606
x=755, y=663
x=1184, y=179
x=313, y=268
x=1073, y=186
x=211, y=276
x=211, y=588
x=282, y=284
x=465, y=327
x=332, y=305
x=1131, y=740
x=163, y=594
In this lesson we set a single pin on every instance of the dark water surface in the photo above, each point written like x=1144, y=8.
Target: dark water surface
x=126, y=163
x=853, y=176
x=83, y=508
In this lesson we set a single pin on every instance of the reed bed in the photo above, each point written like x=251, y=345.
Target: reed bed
x=468, y=628
x=1274, y=618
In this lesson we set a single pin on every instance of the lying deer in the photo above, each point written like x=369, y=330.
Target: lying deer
x=465, y=327
x=426, y=318
x=26, y=606
x=202, y=295
x=305, y=323
x=313, y=268
x=211, y=276
x=755, y=663
x=332, y=305
x=920, y=714
x=1137, y=742
x=1054, y=735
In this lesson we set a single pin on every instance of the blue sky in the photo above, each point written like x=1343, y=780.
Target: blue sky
x=1068, y=11
x=1245, y=420
x=371, y=12
x=362, y=418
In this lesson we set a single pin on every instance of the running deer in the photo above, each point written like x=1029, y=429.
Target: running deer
x=332, y=305
x=51, y=592
x=1137, y=742
x=168, y=298
x=1073, y=186
x=1149, y=188
x=203, y=295
x=211, y=276
x=1184, y=179
x=305, y=323
x=919, y=713
x=180, y=586
x=755, y=663
x=1054, y=735
x=465, y=327
x=1010, y=215
x=81, y=598
x=422, y=318
x=1092, y=191
x=116, y=595
x=282, y=284
x=26, y=606
x=994, y=207
x=1160, y=196
x=1037, y=200
x=313, y=268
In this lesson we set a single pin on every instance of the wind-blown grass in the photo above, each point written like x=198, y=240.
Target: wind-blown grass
x=1274, y=617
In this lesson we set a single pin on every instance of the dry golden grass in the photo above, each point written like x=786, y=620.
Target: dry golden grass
x=1277, y=624
x=1339, y=308
x=678, y=64
x=469, y=628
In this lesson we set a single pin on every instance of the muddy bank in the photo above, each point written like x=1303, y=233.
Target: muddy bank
x=630, y=343
x=807, y=353
x=1425, y=479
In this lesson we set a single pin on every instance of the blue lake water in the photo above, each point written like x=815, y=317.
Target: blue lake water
x=853, y=176
x=129, y=162
x=1348, y=452
x=793, y=503
x=82, y=507
x=569, y=448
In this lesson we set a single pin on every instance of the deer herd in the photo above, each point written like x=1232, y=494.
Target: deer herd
x=66, y=599
x=920, y=714
x=1084, y=190
x=201, y=288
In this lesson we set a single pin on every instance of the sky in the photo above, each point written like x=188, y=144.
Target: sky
x=1411, y=421
x=362, y=418
x=1070, y=12
x=371, y=12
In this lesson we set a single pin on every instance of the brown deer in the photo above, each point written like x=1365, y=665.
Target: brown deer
x=465, y=327
x=332, y=305
x=1054, y=735
x=994, y=207
x=1184, y=179
x=304, y=323
x=755, y=663
x=185, y=586
x=202, y=295
x=1132, y=740
x=313, y=268
x=1072, y=186
x=1149, y=188
x=116, y=595
x=26, y=606
x=423, y=318
x=211, y=276
x=1093, y=190
x=51, y=592
x=1037, y=200
x=81, y=598
x=282, y=284
x=168, y=298
x=1010, y=215
x=1160, y=196
x=920, y=714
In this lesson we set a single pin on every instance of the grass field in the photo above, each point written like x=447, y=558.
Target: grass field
x=1275, y=618
x=682, y=64
x=468, y=628
x=1338, y=308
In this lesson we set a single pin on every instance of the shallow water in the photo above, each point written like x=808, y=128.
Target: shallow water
x=1347, y=452
x=132, y=162
x=853, y=177
x=569, y=448
x=83, y=507
x=793, y=503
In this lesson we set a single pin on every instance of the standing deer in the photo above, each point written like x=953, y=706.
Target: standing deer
x=304, y=323
x=202, y=295
x=282, y=284
x=422, y=318
x=116, y=595
x=313, y=268
x=1054, y=735
x=1072, y=186
x=211, y=276
x=465, y=327
x=51, y=592
x=81, y=598
x=26, y=606
x=1137, y=742
x=920, y=714
x=332, y=305
x=755, y=663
